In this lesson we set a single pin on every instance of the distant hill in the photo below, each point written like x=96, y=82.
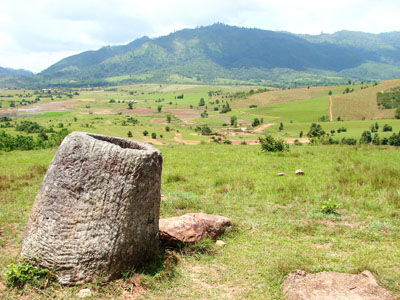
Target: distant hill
x=11, y=78
x=222, y=53
x=19, y=72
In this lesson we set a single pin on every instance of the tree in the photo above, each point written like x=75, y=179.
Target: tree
x=301, y=134
x=234, y=121
x=130, y=105
x=397, y=113
x=169, y=118
x=315, y=131
x=153, y=135
x=145, y=133
x=366, y=137
x=256, y=122
x=129, y=133
x=202, y=102
x=281, y=126
x=271, y=144
x=330, y=93
x=159, y=108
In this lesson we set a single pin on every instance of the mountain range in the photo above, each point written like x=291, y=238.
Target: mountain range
x=228, y=54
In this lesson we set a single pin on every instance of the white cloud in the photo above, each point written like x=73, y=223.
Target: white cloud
x=45, y=30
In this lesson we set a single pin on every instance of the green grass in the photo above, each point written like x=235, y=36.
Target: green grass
x=278, y=224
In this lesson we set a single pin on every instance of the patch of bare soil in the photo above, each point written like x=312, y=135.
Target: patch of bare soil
x=249, y=142
x=159, y=121
x=152, y=141
x=299, y=285
x=260, y=129
x=54, y=106
x=301, y=140
x=141, y=111
x=132, y=289
x=178, y=138
x=99, y=111
x=184, y=114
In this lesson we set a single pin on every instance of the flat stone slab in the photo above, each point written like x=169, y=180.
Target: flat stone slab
x=192, y=227
x=299, y=285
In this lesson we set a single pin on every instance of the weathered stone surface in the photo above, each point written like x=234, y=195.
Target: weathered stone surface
x=281, y=174
x=220, y=243
x=299, y=285
x=84, y=293
x=97, y=210
x=192, y=227
x=299, y=172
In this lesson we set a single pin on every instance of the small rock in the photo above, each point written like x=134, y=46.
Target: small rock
x=220, y=243
x=84, y=293
x=299, y=172
x=281, y=174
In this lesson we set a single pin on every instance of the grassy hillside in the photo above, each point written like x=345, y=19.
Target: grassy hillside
x=362, y=103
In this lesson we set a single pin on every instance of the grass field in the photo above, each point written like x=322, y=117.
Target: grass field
x=278, y=223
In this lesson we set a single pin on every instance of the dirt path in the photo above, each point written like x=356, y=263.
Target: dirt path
x=330, y=109
x=178, y=138
x=261, y=128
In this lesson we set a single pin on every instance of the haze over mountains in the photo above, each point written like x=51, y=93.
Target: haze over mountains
x=222, y=53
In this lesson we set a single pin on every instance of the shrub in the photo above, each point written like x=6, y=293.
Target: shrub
x=394, y=140
x=387, y=127
x=153, y=135
x=145, y=133
x=20, y=274
x=129, y=133
x=376, y=140
x=329, y=207
x=315, y=131
x=256, y=122
x=271, y=144
x=348, y=141
x=167, y=128
x=227, y=142
x=366, y=137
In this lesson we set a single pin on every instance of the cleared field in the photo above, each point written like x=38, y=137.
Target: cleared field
x=362, y=104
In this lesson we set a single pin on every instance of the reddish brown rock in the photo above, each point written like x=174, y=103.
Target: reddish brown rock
x=299, y=285
x=191, y=228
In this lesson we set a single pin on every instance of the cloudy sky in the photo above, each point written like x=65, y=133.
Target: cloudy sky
x=37, y=33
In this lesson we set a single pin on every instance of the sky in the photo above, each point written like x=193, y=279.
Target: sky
x=35, y=34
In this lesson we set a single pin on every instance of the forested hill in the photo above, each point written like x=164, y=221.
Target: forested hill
x=217, y=52
x=19, y=72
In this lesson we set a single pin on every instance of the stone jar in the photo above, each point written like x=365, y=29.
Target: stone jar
x=97, y=210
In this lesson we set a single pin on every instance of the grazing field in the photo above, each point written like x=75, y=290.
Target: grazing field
x=279, y=221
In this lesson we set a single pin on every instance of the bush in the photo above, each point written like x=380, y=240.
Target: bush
x=315, y=131
x=329, y=207
x=394, y=140
x=145, y=133
x=366, y=137
x=271, y=144
x=227, y=142
x=387, y=127
x=256, y=122
x=376, y=140
x=348, y=141
x=20, y=274
x=153, y=135
x=129, y=133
